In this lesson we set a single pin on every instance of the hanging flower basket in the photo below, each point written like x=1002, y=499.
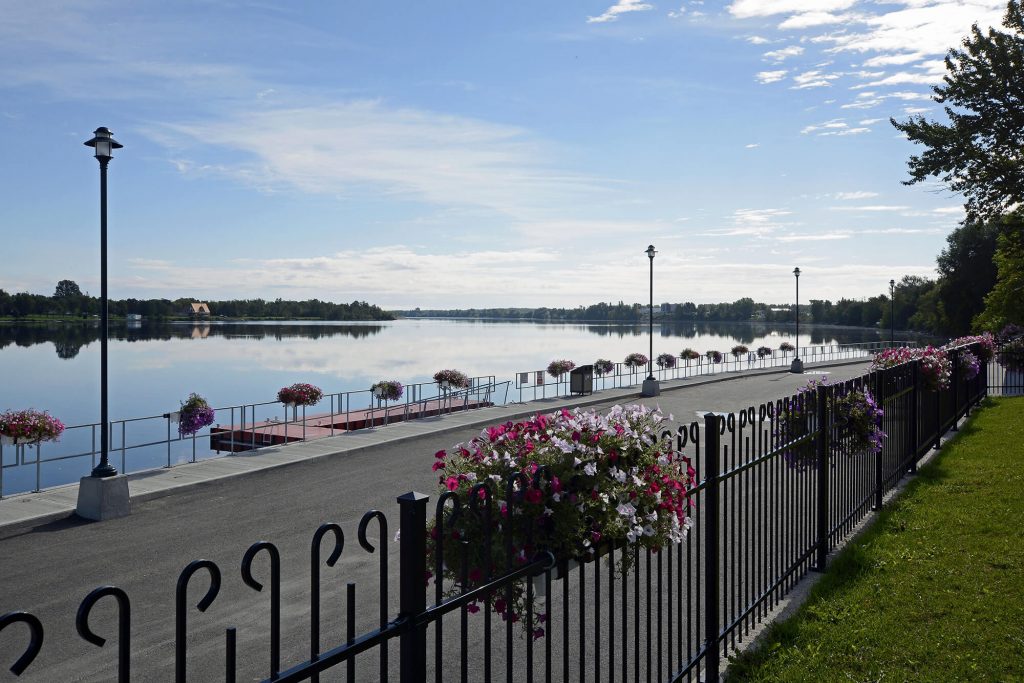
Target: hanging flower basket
x=451, y=379
x=29, y=426
x=635, y=361
x=195, y=414
x=570, y=483
x=603, y=366
x=935, y=364
x=557, y=368
x=739, y=350
x=300, y=395
x=763, y=352
x=1011, y=355
x=714, y=356
x=689, y=354
x=970, y=366
x=855, y=415
x=786, y=347
x=665, y=361
x=387, y=390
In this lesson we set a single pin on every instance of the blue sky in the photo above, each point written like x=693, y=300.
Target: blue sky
x=457, y=154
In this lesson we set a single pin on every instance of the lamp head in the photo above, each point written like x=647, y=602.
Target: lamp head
x=651, y=252
x=892, y=284
x=103, y=143
x=796, y=271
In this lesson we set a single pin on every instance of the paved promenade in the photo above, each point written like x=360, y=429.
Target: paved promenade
x=50, y=559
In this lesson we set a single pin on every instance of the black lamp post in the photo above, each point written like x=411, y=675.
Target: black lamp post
x=892, y=313
x=650, y=387
x=797, y=364
x=104, y=145
x=650, y=317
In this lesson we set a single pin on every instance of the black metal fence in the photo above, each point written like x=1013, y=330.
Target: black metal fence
x=773, y=496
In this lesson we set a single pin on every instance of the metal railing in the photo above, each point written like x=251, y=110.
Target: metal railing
x=143, y=443
x=538, y=384
x=769, y=502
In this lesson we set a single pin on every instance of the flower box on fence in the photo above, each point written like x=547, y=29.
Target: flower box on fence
x=300, y=394
x=572, y=483
x=387, y=390
x=29, y=426
x=195, y=414
x=451, y=379
x=635, y=361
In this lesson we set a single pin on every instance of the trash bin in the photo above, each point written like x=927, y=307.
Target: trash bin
x=581, y=380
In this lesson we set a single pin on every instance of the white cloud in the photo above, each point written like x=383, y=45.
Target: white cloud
x=809, y=19
x=619, y=8
x=846, y=131
x=813, y=79
x=834, y=124
x=873, y=208
x=855, y=195
x=782, y=54
x=366, y=145
x=953, y=210
x=753, y=145
x=771, y=76
x=868, y=122
x=821, y=237
x=745, y=9
x=757, y=40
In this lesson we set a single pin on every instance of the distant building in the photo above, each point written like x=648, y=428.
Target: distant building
x=198, y=310
x=133, y=317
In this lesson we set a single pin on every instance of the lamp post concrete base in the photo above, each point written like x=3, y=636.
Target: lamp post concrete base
x=650, y=388
x=101, y=498
x=797, y=366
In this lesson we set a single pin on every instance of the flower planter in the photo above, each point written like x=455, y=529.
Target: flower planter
x=8, y=440
x=564, y=566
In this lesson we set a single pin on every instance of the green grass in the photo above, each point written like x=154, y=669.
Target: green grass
x=934, y=591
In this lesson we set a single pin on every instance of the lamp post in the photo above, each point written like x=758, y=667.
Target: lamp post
x=650, y=386
x=104, y=145
x=797, y=365
x=892, y=313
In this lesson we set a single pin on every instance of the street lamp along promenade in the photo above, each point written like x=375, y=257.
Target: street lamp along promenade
x=797, y=365
x=103, y=494
x=650, y=386
x=892, y=313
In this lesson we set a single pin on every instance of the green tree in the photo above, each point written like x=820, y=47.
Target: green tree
x=66, y=289
x=1005, y=303
x=967, y=273
x=981, y=152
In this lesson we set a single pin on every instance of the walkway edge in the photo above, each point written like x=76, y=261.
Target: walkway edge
x=59, y=502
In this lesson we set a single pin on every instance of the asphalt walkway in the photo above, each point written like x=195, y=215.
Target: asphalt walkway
x=50, y=559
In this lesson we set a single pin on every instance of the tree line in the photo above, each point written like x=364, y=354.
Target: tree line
x=69, y=301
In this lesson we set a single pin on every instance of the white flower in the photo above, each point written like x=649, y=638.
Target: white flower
x=652, y=517
x=648, y=530
x=590, y=469
x=638, y=481
x=548, y=512
x=576, y=462
x=471, y=476
x=556, y=497
x=617, y=474
x=626, y=510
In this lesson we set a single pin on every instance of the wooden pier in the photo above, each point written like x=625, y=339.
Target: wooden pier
x=237, y=438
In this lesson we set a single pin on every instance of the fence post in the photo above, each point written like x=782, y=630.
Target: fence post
x=954, y=381
x=712, y=443
x=412, y=600
x=915, y=437
x=823, y=395
x=879, y=490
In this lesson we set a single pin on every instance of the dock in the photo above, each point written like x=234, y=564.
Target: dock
x=247, y=437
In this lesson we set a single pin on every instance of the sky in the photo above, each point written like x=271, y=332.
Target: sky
x=457, y=154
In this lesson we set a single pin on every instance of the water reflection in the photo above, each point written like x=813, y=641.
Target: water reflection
x=69, y=338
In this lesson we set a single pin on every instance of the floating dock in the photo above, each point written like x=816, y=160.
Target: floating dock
x=237, y=438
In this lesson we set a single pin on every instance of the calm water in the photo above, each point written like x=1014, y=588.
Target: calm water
x=153, y=367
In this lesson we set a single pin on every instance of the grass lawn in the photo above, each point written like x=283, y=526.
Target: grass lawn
x=934, y=591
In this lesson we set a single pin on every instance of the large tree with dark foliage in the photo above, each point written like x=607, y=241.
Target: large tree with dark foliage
x=980, y=153
x=67, y=288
